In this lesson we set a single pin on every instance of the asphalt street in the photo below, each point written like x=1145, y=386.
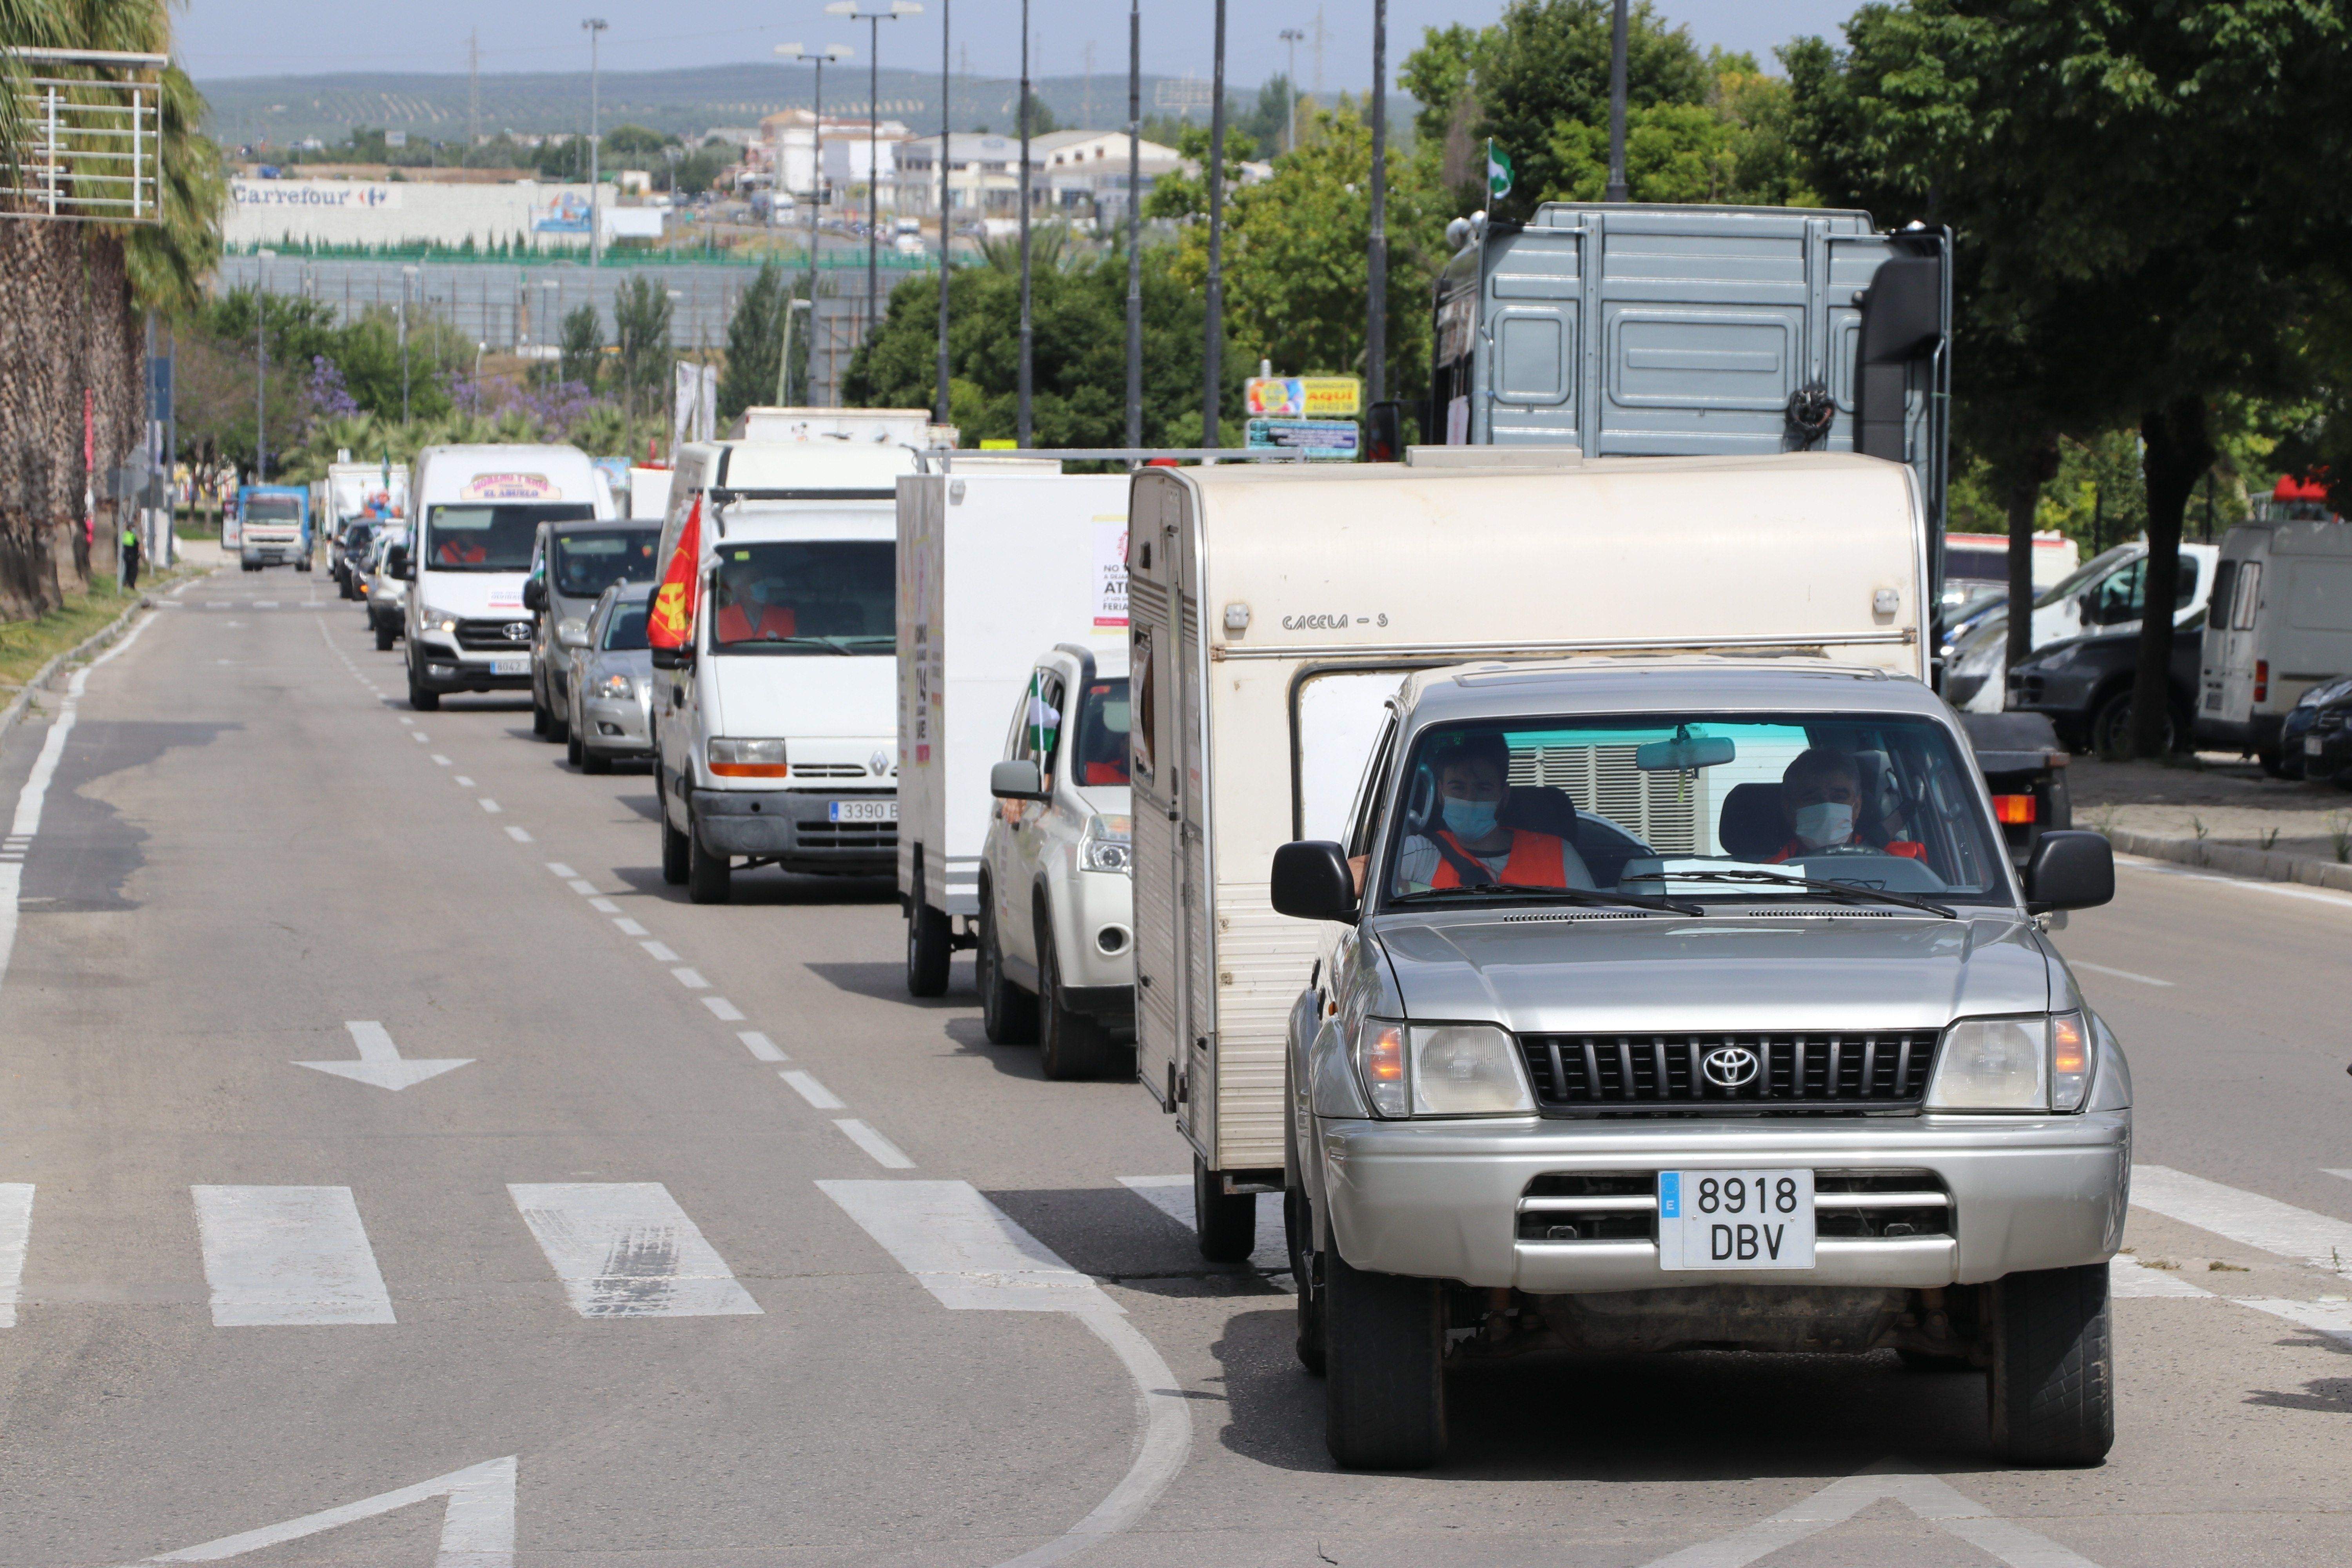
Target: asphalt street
x=393, y=1172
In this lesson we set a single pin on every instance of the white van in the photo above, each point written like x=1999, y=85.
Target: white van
x=2280, y=623
x=477, y=511
x=775, y=727
x=2105, y=594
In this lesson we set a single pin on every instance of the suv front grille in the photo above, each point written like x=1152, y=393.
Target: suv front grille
x=492, y=636
x=1667, y=1075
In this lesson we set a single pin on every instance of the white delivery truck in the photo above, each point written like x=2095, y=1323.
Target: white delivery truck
x=1275, y=611
x=856, y=426
x=774, y=723
x=478, y=512
x=2279, y=623
x=998, y=560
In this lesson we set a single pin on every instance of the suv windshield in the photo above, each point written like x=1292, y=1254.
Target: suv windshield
x=491, y=537
x=1695, y=807
x=625, y=631
x=588, y=564
x=272, y=509
x=812, y=596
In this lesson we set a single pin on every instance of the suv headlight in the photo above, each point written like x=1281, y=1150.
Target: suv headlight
x=738, y=759
x=2039, y=1062
x=1441, y=1069
x=1108, y=845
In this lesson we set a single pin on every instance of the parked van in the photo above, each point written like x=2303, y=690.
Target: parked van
x=2280, y=623
x=774, y=720
x=477, y=511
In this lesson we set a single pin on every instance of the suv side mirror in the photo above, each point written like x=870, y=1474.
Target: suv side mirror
x=1017, y=780
x=534, y=594
x=2070, y=871
x=1312, y=882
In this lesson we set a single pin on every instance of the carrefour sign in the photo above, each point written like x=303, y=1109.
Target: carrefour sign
x=339, y=195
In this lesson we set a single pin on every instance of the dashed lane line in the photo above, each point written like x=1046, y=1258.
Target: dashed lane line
x=690, y=978
x=518, y=834
x=2118, y=974
x=761, y=1048
x=660, y=953
x=627, y=926
x=15, y=1235
x=887, y=1154
x=723, y=1010
x=805, y=1085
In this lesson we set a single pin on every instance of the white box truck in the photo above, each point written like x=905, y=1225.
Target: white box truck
x=998, y=560
x=1274, y=611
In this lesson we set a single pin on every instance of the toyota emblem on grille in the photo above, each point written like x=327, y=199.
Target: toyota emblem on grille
x=1728, y=1066
x=518, y=631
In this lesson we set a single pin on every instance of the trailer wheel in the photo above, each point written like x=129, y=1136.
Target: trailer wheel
x=2054, y=1368
x=1226, y=1222
x=1070, y=1045
x=1384, y=1383
x=1008, y=1015
x=928, y=944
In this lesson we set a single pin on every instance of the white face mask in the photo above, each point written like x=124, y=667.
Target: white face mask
x=1825, y=824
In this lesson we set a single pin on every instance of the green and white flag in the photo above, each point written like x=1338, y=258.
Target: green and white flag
x=1498, y=172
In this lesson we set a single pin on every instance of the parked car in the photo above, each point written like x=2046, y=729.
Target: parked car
x=2325, y=741
x=2084, y=685
x=609, y=682
x=572, y=563
x=387, y=586
x=2296, y=729
x=2104, y=596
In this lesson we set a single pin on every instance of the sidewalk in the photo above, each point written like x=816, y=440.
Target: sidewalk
x=2221, y=814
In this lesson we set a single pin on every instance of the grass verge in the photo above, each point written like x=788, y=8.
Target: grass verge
x=26, y=646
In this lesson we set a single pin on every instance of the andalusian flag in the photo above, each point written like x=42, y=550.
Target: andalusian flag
x=671, y=622
x=1498, y=172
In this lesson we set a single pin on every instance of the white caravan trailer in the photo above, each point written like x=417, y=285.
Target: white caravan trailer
x=1274, y=611
x=998, y=560
x=2280, y=623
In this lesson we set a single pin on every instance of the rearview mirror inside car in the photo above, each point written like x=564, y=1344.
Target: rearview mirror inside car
x=2070, y=871
x=1017, y=780
x=1312, y=882
x=1682, y=753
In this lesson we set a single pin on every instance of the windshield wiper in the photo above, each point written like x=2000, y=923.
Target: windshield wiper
x=1566, y=895
x=831, y=645
x=1816, y=884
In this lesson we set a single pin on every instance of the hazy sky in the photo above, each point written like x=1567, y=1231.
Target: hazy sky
x=287, y=37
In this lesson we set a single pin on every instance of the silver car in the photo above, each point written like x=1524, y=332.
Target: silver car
x=1696, y=1005
x=608, y=682
x=386, y=592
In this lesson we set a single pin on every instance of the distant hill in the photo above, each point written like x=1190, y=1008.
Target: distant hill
x=285, y=109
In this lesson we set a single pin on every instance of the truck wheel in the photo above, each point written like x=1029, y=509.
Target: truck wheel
x=927, y=947
x=1298, y=1230
x=1384, y=1386
x=709, y=877
x=1070, y=1045
x=1008, y=1015
x=421, y=700
x=675, y=852
x=2053, y=1369
x=383, y=639
x=1226, y=1222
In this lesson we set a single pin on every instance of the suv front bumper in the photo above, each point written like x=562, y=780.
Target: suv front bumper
x=1441, y=1200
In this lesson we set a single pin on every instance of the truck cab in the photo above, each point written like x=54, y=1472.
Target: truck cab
x=273, y=527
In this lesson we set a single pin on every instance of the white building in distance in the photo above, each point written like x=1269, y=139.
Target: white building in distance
x=1073, y=173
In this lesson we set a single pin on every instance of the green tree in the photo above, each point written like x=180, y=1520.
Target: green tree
x=582, y=358
x=641, y=320
x=754, y=344
x=634, y=147
x=1184, y=192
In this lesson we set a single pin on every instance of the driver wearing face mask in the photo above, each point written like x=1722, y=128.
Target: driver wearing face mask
x=1820, y=794
x=1468, y=846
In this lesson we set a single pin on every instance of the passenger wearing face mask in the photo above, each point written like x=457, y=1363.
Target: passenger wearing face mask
x=1468, y=846
x=1820, y=794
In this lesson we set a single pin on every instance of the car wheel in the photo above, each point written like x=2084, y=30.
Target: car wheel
x=573, y=752
x=421, y=700
x=927, y=947
x=710, y=877
x=1070, y=1044
x=1008, y=1015
x=1384, y=1377
x=595, y=761
x=2053, y=1371
x=559, y=723
x=383, y=639
x=1298, y=1230
x=542, y=721
x=1226, y=1223
x=2272, y=761
x=2111, y=728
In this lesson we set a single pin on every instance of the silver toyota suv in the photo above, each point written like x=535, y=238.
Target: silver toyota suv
x=1696, y=1004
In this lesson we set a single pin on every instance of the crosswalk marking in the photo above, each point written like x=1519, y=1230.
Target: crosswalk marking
x=1173, y=1195
x=626, y=1249
x=967, y=1253
x=2265, y=1224
x=2129, y=1276
x=15, y=1232
x=287, y=1255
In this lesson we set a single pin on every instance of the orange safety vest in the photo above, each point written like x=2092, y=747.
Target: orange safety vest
x=1536, y=860
x=1796, y=847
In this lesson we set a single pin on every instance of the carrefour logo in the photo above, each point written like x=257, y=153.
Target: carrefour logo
x=335, y=194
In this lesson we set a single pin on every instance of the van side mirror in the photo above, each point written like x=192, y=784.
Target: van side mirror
x=534, y=594
x=1017, y=780
x=1312, y=882
x=672, y=657
x=2070, y=871
x=395, y=563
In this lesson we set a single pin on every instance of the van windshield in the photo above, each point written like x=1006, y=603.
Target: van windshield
x=1695, y=806
x=491, y=537
x=273, y=509
x=588, y=564
x=812, y=596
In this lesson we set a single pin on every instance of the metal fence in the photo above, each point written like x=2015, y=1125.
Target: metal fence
x=95, y=149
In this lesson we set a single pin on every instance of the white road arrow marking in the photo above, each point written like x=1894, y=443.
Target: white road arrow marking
x=477, y=1531
x=1926, y=1497
x=380, y=1062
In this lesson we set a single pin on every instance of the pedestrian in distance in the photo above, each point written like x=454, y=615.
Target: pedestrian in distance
x=130, y=557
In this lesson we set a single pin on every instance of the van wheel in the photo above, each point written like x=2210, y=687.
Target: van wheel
x=421, y=700
x=2054, y=1368
x=1226, y=1222
x=1384, y=1383
x=675, y=852
x=927, y=947
x=709, y=877
x=1070, y=1045
x=1008, y=1015
x=1298, y=1230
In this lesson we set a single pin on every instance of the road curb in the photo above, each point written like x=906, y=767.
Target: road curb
x=2235, y=861
x=105, y=633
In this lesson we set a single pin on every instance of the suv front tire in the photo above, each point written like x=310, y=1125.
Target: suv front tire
x=2054, y=1367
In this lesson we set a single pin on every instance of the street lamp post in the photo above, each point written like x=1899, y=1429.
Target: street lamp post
x=1213, y=345
x=946, y=123
x=874, y=12
x=1028, y=334
x=1291, y=35
x=1134, y=222
x=594, y=26
x=408, y=279
x=1617, y=103
x=1376, y=268
x=785, y=365
x=261, y=388
x=816, y=153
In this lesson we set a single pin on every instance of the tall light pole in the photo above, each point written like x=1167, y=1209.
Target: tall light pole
x=874, y=12
x=261, y=385
x=1291, y=35
x=1376, y=260
x=1028, y=334
x=1134, y=222
x=817, y=157
x=946, y=123
x=1212, y=346
x=1617, y=103
x=594, y=26
x=408, y=279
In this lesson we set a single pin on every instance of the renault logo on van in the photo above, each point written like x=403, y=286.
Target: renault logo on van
x=1728, y=1066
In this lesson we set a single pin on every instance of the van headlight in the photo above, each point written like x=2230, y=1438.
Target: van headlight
x=442, y=621
x=1108, y=845
x=1441, y=1069
x=2039, y=1062
x=734, y=758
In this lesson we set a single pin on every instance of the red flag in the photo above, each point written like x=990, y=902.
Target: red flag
x=671, y=622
